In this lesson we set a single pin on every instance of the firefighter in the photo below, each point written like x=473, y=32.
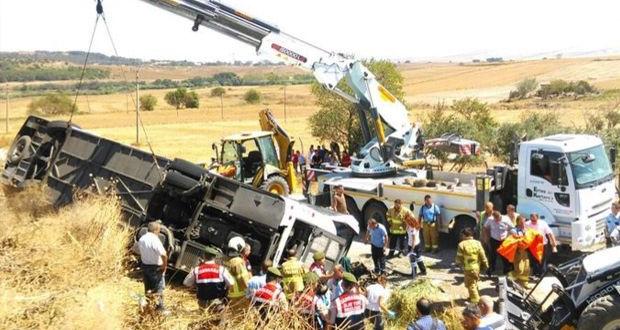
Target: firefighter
x=292, y=275
x=521, y=272
x=396, y=217
x=211, y=279
x=236, y=267
x=470, y=255
x=347, y=311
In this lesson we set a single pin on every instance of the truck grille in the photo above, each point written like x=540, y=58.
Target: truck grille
x=191, y=253
x=600, y=227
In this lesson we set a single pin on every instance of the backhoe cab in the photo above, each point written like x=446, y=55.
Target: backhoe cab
x=254, y=158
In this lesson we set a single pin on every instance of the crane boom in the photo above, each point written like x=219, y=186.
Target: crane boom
x=389, y=136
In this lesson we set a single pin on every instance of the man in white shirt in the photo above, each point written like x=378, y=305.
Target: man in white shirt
x=541, y=227
x=154, y=263
x=378, y=295
x=496, y=230
x=489, y=317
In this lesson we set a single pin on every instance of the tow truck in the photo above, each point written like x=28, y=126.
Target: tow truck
x=566, y=178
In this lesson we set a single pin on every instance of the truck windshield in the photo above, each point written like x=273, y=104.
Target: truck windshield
x=590, y=166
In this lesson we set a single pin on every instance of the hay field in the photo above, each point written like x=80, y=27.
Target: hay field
x=190, y=133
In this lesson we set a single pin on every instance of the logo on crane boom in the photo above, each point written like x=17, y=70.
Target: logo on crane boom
x=289, y=53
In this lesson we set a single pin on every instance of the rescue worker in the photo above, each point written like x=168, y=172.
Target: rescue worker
x=257, y=281
x=413, y=240
x=470, y=255
x=339, y=201
x=549, y=241
x=397, y=228
x=471, y=318
x=521, y=263
x=334, y=284
x=318, y=266
x=310, y=304
x=482, y=218
x=430, y=217
x=237, y=268
x=154, y=262
x=496, y=229
x=211, y=279
x=511, y=214
x=292, y=275
x=270, y=296
x=348, y=310
x=377, y=236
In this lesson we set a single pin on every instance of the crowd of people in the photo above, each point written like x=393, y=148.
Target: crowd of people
x=321, y=156
x=334, y=297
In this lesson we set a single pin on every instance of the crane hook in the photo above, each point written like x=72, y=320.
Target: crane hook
x=99, y=7
x=197, y=21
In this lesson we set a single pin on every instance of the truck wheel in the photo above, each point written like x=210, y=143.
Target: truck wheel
x=604, y=312
x=19, y=150
x=376, y=210
x=187, y=168
x=176, y=179
x=276, y=185
x=58, y=128
x=460, y=223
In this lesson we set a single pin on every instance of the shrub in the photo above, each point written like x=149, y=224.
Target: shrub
x=218, y=91
x=148, y=102
x=52, y=104
x=181, y=98
x=252, y=96
x=191, y=100
x=524, y=88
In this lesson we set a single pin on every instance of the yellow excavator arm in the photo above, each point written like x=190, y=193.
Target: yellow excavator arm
x=268, y=123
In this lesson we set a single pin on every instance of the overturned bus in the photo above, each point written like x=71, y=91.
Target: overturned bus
x=196, y=208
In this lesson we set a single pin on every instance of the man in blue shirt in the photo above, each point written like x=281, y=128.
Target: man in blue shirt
x=377, y=235
x=425, y=321
x=430, y=217
x=612, y=222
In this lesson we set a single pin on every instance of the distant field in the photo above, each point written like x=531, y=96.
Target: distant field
x=191, y=133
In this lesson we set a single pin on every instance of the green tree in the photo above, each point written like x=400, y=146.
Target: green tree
x=52, y=104
x=252, y=96
x=191, y=100
x=337, y=119
x=176, y=98
x=148, y=102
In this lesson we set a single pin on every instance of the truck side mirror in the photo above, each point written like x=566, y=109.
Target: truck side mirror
x=612, y=157
x=558, y=173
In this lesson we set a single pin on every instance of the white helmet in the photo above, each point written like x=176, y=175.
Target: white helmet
x=236, y=243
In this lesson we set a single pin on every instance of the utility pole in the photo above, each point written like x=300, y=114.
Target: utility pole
x=137, y=110
x=222, y=106
x=285, y=103
x=6, y=110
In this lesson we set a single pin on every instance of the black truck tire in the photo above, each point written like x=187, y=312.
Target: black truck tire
x=276, y=184
x=376, y=210
x=187, y=168
x=19, y=150
x=178, y=180
x=461, y=222
x=604, y=312
x=58, y=128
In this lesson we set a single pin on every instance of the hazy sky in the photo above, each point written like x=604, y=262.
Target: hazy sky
x=408, y=29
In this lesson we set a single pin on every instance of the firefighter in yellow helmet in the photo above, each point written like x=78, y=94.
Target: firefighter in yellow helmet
x=292, y=275
x=236, y=267
x=470, y=255
x=396, y=217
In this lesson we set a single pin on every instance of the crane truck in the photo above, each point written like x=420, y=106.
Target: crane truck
x=567, y=179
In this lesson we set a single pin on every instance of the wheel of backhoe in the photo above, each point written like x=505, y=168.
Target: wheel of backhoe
x=276, y=185
x=604, y=312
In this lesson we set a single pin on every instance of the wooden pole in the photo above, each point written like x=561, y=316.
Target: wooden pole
x=137, y=110
x=6, y=110
x=285, y=103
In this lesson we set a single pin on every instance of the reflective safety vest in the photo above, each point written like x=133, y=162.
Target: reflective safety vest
x=396, y=221
x=350, y=310
x=267, y=295
x=236, y=267
x=292, y=276
x=472, y=255
x=210, y=282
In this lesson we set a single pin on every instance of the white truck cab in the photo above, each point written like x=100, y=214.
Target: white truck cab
x=568, y=180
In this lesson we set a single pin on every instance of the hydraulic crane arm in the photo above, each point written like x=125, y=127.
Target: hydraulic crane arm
x=388, y=134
